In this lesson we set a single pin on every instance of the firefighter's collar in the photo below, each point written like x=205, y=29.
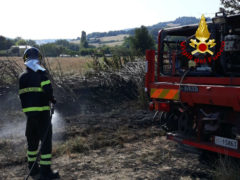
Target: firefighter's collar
x=34, y=65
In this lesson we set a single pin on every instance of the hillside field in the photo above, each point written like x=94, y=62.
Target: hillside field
x=108, y=41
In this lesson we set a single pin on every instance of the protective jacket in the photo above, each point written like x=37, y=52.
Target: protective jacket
x=35, y=92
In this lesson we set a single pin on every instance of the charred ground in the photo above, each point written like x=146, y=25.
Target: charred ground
x=101, y=131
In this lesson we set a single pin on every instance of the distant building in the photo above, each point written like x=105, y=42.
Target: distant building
x=108, y=55
x=64, y=55
x=18, y=50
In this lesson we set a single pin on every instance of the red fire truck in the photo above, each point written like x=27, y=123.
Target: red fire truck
x=195, y=83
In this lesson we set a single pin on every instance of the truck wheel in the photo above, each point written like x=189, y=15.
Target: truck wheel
x=171, y=120
x=185, y=124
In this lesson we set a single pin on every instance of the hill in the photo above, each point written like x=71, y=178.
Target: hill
x=152, y=29
x=112, y=38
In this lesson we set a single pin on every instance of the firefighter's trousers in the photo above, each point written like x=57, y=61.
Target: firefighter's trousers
x=35, y=132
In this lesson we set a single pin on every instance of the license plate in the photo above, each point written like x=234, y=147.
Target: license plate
x=226, y=142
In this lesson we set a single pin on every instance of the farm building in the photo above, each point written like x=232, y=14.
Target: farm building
x=17, y=50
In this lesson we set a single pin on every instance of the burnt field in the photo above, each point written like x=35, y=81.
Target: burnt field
x=103, y=130
x=120, y=142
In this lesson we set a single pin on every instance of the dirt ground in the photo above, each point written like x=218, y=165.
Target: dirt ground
x=121, y=143
x=103, y=132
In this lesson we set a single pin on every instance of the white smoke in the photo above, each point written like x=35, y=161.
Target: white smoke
x=57, y=120
x=16, y=129
x=58, y=124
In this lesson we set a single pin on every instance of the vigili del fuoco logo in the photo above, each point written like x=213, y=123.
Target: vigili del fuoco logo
x=202, y=44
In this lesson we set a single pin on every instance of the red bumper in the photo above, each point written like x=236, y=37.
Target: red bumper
x=204, y=145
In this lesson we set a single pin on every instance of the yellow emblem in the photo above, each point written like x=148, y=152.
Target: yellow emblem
x=202, y=34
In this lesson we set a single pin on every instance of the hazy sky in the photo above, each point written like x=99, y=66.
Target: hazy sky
x=43, y=19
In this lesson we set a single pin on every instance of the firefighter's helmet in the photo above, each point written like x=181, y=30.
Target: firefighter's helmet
x=32, y=53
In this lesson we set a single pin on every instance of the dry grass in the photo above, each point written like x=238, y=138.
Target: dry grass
x=93, y=141
x=74, y=145
x=97, y=137
x=114, y=38
x=227, y=169
x=111, y=40
x=108, y=41
x=70, y=65
x=18, y=60
x=111, y=44
x=67, y=65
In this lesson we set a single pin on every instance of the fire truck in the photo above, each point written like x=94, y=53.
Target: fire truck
x=193, y=81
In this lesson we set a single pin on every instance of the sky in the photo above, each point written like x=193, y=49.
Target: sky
x=66, y=19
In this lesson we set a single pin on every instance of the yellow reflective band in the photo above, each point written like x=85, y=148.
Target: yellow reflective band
x=32, y=159
x=43, y=83
x=30, y=89
x=32, y=153
x=46, y=156
x=45, y=163
x=30, y=109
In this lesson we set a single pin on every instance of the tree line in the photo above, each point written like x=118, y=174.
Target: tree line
x=134, y=45
x=139, y=40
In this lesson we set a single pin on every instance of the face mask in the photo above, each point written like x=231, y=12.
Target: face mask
x=34, y=65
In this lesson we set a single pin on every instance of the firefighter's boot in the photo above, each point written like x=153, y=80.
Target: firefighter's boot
x=35, y=170
x=46, y=173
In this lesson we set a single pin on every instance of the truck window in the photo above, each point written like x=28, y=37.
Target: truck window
x=173, y=63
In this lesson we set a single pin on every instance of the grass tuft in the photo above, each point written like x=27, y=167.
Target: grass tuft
x=227, y=169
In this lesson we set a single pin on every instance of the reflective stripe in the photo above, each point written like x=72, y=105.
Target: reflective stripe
x=43, y=83
x=45, y=162
x=172, y=94
x=32, y=159
x=30, y=89
x=46, y=156
x=29, y=109
x=32, y=153
x=156, y=93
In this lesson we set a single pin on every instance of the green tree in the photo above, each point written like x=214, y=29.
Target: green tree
x=21, y=42
x=126, y=42
x=86, y=51
x=231, y=6
x=141, y=41
x=53, y=50
x=68, y=45
x=83, y=41
x=62, y=42
x=121, y=51
x=5, y=43
x=31, y=43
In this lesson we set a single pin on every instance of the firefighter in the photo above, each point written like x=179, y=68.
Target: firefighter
x=36, y=94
